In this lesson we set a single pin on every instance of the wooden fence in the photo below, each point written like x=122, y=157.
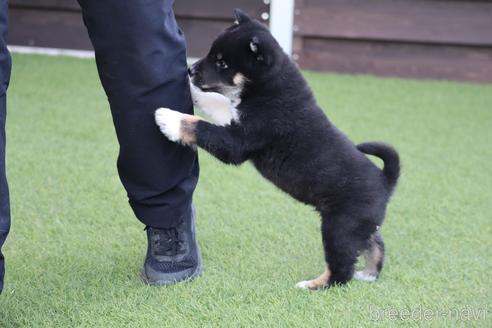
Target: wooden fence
x=441, y=39
x=58, y=23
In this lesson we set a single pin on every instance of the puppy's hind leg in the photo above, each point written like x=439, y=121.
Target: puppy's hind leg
x=340, y=246
x=340, y=250
x=374, y=258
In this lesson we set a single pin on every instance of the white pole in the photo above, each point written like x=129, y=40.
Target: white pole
x=282, y=22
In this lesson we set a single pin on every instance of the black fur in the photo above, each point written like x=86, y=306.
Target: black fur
x=292, y=143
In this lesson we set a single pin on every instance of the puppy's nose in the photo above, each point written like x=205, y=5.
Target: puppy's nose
x=191, y=71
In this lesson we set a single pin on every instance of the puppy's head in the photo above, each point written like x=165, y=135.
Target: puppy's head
x=244, y=53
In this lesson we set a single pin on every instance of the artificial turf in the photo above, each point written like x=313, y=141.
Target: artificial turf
x=75, y=250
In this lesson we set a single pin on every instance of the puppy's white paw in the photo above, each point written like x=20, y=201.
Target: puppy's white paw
x=364, y=276
x=306, y=284
x=169, y=122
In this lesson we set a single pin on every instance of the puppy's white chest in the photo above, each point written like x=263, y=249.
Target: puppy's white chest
x=221, y=109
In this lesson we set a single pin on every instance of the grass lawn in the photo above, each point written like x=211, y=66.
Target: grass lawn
x=75, y=250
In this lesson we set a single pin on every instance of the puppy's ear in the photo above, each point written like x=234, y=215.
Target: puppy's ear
x=241, y=16
x=254, y=45
x=256, y=48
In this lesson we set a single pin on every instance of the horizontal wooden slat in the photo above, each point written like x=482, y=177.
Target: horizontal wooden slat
x=65, y=29
x=398, y=59
x=449, y=22
x=47, y=29
x=220, y=9
x=200, y=34
x=57, y=23
x=46, y=4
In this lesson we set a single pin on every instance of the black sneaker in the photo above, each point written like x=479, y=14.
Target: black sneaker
x=172, y=254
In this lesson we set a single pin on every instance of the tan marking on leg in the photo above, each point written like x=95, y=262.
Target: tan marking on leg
x=317, y=283
x=188, y=129
x=373, y=257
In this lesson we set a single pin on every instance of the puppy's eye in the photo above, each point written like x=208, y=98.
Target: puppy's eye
x=221, y=64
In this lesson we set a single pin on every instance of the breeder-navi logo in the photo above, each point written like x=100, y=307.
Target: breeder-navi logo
x=421, y=313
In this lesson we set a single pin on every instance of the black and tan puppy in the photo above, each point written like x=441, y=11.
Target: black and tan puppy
x=264, y=111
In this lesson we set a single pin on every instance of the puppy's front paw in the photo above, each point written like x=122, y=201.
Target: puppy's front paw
x=176, y=126
x=316, y=283
x=307, y=284
x=303, y=284
x=169, y=122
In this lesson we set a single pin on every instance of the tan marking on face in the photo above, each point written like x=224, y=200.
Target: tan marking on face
x=238, y=79
x=188, y=129
x=321, y=281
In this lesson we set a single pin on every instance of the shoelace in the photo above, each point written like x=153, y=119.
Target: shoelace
x=167, y=242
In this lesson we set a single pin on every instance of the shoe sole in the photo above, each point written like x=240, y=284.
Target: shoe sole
x=198, y=271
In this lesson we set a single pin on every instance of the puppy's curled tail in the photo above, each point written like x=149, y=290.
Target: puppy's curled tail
x=389, y=156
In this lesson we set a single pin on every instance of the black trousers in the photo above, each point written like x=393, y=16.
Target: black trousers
x=4, y=81
x=141, y=60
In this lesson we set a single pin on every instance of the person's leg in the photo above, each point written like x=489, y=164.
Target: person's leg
x=4, y=81
x=141, y=59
